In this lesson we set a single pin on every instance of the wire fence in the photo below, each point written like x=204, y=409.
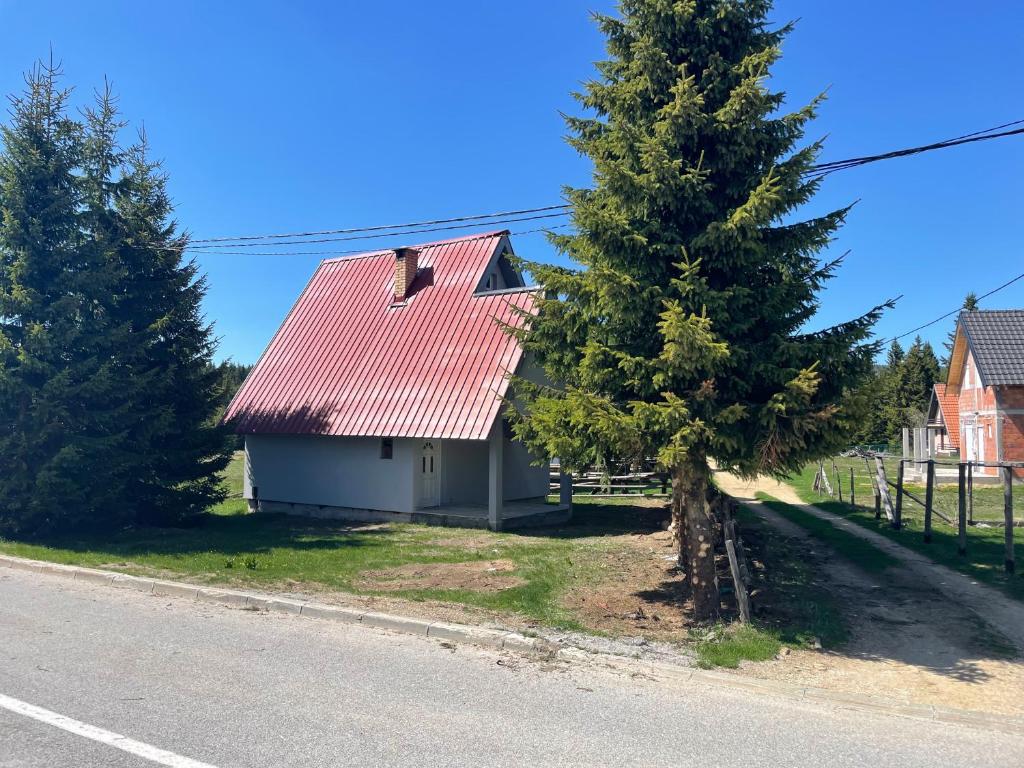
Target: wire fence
x=920, y=495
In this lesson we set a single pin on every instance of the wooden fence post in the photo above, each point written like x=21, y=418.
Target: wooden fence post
x=839, y=481
x=962, y=509
x=878, y=499
x=1008, y=517
x=741, y=589
x=824, y=478
x=883, y=489
x=897, y=520
x=928, y=497
x=970, y=493
x=853, y=490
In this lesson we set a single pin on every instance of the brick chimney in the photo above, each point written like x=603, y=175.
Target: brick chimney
x=406, y=264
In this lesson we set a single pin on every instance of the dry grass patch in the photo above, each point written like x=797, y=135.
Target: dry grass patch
x=478, y=576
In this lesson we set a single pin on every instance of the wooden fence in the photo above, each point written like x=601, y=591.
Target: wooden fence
x=601, y=485
x=891, y=496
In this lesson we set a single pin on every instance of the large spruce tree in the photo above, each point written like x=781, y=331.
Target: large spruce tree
x=108, y=399
x=684, y=333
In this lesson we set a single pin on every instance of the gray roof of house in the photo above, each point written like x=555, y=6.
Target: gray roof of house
x=996, y=338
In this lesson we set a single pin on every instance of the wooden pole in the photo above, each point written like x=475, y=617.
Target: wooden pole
x=897, y=520
x=928, y=496
x=878, y=499
x=883, y=489
x=839, y=481
x=1008, y=517
x=962, y=509
x=741, y=589
x=970, y=494
x=853, y=490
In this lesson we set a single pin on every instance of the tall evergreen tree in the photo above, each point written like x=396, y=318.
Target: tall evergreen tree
x=970, y=304
x=108, y=397
x=682, y=335
x=894, y=356
x=178, y=393
x=59, y=400
x=913, y=379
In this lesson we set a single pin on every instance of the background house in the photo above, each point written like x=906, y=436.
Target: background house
x=380, y=396
x=943, y=422
x=986, y=375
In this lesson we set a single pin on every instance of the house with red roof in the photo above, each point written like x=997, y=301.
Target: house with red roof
x=381, y=395
x=943, y=422
x=986, y=376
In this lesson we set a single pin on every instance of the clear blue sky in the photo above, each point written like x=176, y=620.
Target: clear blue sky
x=277, y=117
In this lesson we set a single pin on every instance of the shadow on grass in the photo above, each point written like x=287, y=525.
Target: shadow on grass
x=606, y=518
x=225, y=534
x=986, y=547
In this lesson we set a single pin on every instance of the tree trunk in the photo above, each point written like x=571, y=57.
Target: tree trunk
x=678, y=526
x=695, y=531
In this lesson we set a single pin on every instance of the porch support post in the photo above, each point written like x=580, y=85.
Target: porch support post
x=565, y=489
x=495, y=483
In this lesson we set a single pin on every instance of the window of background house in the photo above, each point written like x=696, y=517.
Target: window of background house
x=387, y=447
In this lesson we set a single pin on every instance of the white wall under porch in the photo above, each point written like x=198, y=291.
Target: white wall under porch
x=465, y=469
x=330, y=471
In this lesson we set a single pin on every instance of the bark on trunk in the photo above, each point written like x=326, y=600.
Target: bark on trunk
x=695, y=531
x=678, y=525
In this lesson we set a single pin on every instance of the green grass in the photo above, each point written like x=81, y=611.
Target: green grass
x=268, y=551
x=985, y=546
x=229, y=547
x=723, y=646
x=987, y=499
x=863, y=554
x=294, y=554
x=793, y=609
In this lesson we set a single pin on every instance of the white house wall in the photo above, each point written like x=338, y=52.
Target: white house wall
x=330, y=471
x=521, y=480
x=464, y=474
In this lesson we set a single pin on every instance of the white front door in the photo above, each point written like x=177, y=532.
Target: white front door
x=975, y=442
x=428, y=471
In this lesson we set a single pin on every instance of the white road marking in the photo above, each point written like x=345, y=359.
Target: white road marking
x=116, y=740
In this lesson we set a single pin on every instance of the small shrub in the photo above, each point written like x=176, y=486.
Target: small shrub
x=251, y=562
x=229, y=563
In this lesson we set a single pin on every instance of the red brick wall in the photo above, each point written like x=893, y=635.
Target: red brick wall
x=1013, y=437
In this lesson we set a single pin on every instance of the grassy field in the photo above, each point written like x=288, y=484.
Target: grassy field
x=987, y=499
x=605, y=573
x=985, y=545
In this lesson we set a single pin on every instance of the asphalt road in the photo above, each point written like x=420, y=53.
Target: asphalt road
x=83, y=667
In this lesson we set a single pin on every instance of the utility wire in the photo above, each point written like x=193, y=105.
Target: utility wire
x=823, y=169
x=208, y=248
x=954, y=312
x=463, y=222
x=363, y=250
x=381, y=227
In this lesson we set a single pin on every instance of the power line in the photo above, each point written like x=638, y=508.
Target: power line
x=954, y=312
x=380, y=227
x=502, y=217
x=823, y=169
x=363, y=250
x=209, y=248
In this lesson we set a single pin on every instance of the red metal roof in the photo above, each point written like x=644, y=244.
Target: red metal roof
x=347, y=362
x=950, y=405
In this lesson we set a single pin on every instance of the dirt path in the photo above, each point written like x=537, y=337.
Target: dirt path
x=1002, y=613
x=908, y=641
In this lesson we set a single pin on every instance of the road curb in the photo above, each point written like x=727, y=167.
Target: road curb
x=513, y=641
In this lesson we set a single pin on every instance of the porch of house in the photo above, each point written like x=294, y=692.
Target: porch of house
x=527, y=513
x=513, y=515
